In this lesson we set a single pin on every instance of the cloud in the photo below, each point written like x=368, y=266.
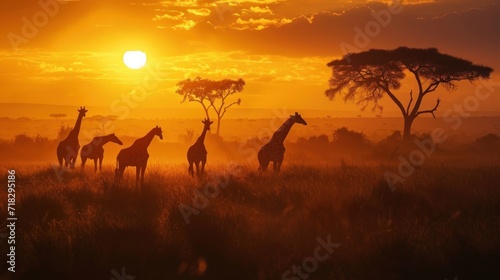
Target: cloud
x=200, y=12
x=259, y=24
x=258, y=10
x=180, y=3
x=185, y=25
x=172, y=15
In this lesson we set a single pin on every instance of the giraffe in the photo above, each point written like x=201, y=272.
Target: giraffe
x=275, y=150
x=197, y=152
x=68, y=148
x=94, y=150
x=136, y=155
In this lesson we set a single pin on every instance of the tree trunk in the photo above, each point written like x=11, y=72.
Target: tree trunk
x=408, y=121
x=218, y=125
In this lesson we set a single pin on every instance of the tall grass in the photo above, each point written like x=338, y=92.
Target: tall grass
x=441, y=223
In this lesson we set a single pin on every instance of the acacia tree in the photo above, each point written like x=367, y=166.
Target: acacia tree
x=197, y=90
x=365, y=77
x=221, y=90
x=211, y=94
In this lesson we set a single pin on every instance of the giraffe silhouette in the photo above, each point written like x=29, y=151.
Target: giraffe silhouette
x=136, y=155
x=197, y=152
x=68, y=148
x=94, y=150
x=275, y=150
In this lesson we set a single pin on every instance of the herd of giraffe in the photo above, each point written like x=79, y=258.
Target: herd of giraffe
x=137, y=154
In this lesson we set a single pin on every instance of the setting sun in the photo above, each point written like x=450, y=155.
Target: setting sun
x=134, y=59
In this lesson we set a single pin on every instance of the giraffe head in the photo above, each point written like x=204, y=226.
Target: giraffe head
x=158, y=132
x=115, y=139
x=82, y=111
x=298, y=119
x=207, y=123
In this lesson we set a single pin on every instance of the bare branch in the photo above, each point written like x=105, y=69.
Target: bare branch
x=411, y=100
x=394, y=98
x=432, y=87
x=225, y=108
x=431, y=111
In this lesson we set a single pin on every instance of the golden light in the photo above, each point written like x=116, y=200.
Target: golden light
x=134, y=59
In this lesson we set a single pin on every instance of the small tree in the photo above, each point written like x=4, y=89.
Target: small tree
x=197, y=90
x=211, y=94
x=58, y=117
x=366, y=76
x=221, y=91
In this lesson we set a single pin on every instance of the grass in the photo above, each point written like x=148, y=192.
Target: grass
x=443, y=222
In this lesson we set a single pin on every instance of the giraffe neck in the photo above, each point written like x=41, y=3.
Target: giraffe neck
x=146, y=140
x=101, y=141
x=76, y=130
x=201, y=139
x=280, y=134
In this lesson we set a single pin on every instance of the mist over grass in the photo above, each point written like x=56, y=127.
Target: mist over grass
x=442, y=222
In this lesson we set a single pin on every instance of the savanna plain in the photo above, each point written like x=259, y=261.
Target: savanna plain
x=387, y=215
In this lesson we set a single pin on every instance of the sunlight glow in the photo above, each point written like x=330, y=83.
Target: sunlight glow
x=134, y=59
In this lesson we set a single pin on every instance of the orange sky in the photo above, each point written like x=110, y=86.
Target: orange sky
x=72, y=53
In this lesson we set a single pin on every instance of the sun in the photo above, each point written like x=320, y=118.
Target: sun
x=134, y=59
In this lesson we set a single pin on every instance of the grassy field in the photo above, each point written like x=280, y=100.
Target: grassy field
x=442, y=222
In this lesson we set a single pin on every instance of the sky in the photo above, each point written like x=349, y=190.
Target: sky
x=70, y=52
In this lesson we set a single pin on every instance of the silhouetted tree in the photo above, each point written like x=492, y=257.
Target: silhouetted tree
x=490, y=141
x=197, y=90
x=221, y=92
x=365, y=77
x=343, y=137
x=58, y=117
x=23, y=139
x=210, y=93
x=104, y=121
x=63, y=132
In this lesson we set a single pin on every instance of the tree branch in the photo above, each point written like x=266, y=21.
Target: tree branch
x=414, y=111
x=432, y=87
x=225, y=108
x=411, y=100
x=431, y=111
x=394, y=98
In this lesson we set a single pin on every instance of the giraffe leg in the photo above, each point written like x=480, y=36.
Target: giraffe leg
x=60, y=155
x=119, y=172
x=95, y=165
x=278, y=162
x=66, y=161
x=100, y=164
x=72, y=162
x=197, y=167
x=84, y=160
x=263, y=165
x=279, y=165
x=143, y=170
x=203, y=167
x=190, y=169
x=275, y=165
x=137, y=174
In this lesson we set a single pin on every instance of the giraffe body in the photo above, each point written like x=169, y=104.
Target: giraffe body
x=95, y=151
x=67, y=149
x=274, y=150
x=136, y=155
x=197, y=153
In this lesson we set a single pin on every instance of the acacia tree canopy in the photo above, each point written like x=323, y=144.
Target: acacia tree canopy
x=365, y=77
x=211, y=94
